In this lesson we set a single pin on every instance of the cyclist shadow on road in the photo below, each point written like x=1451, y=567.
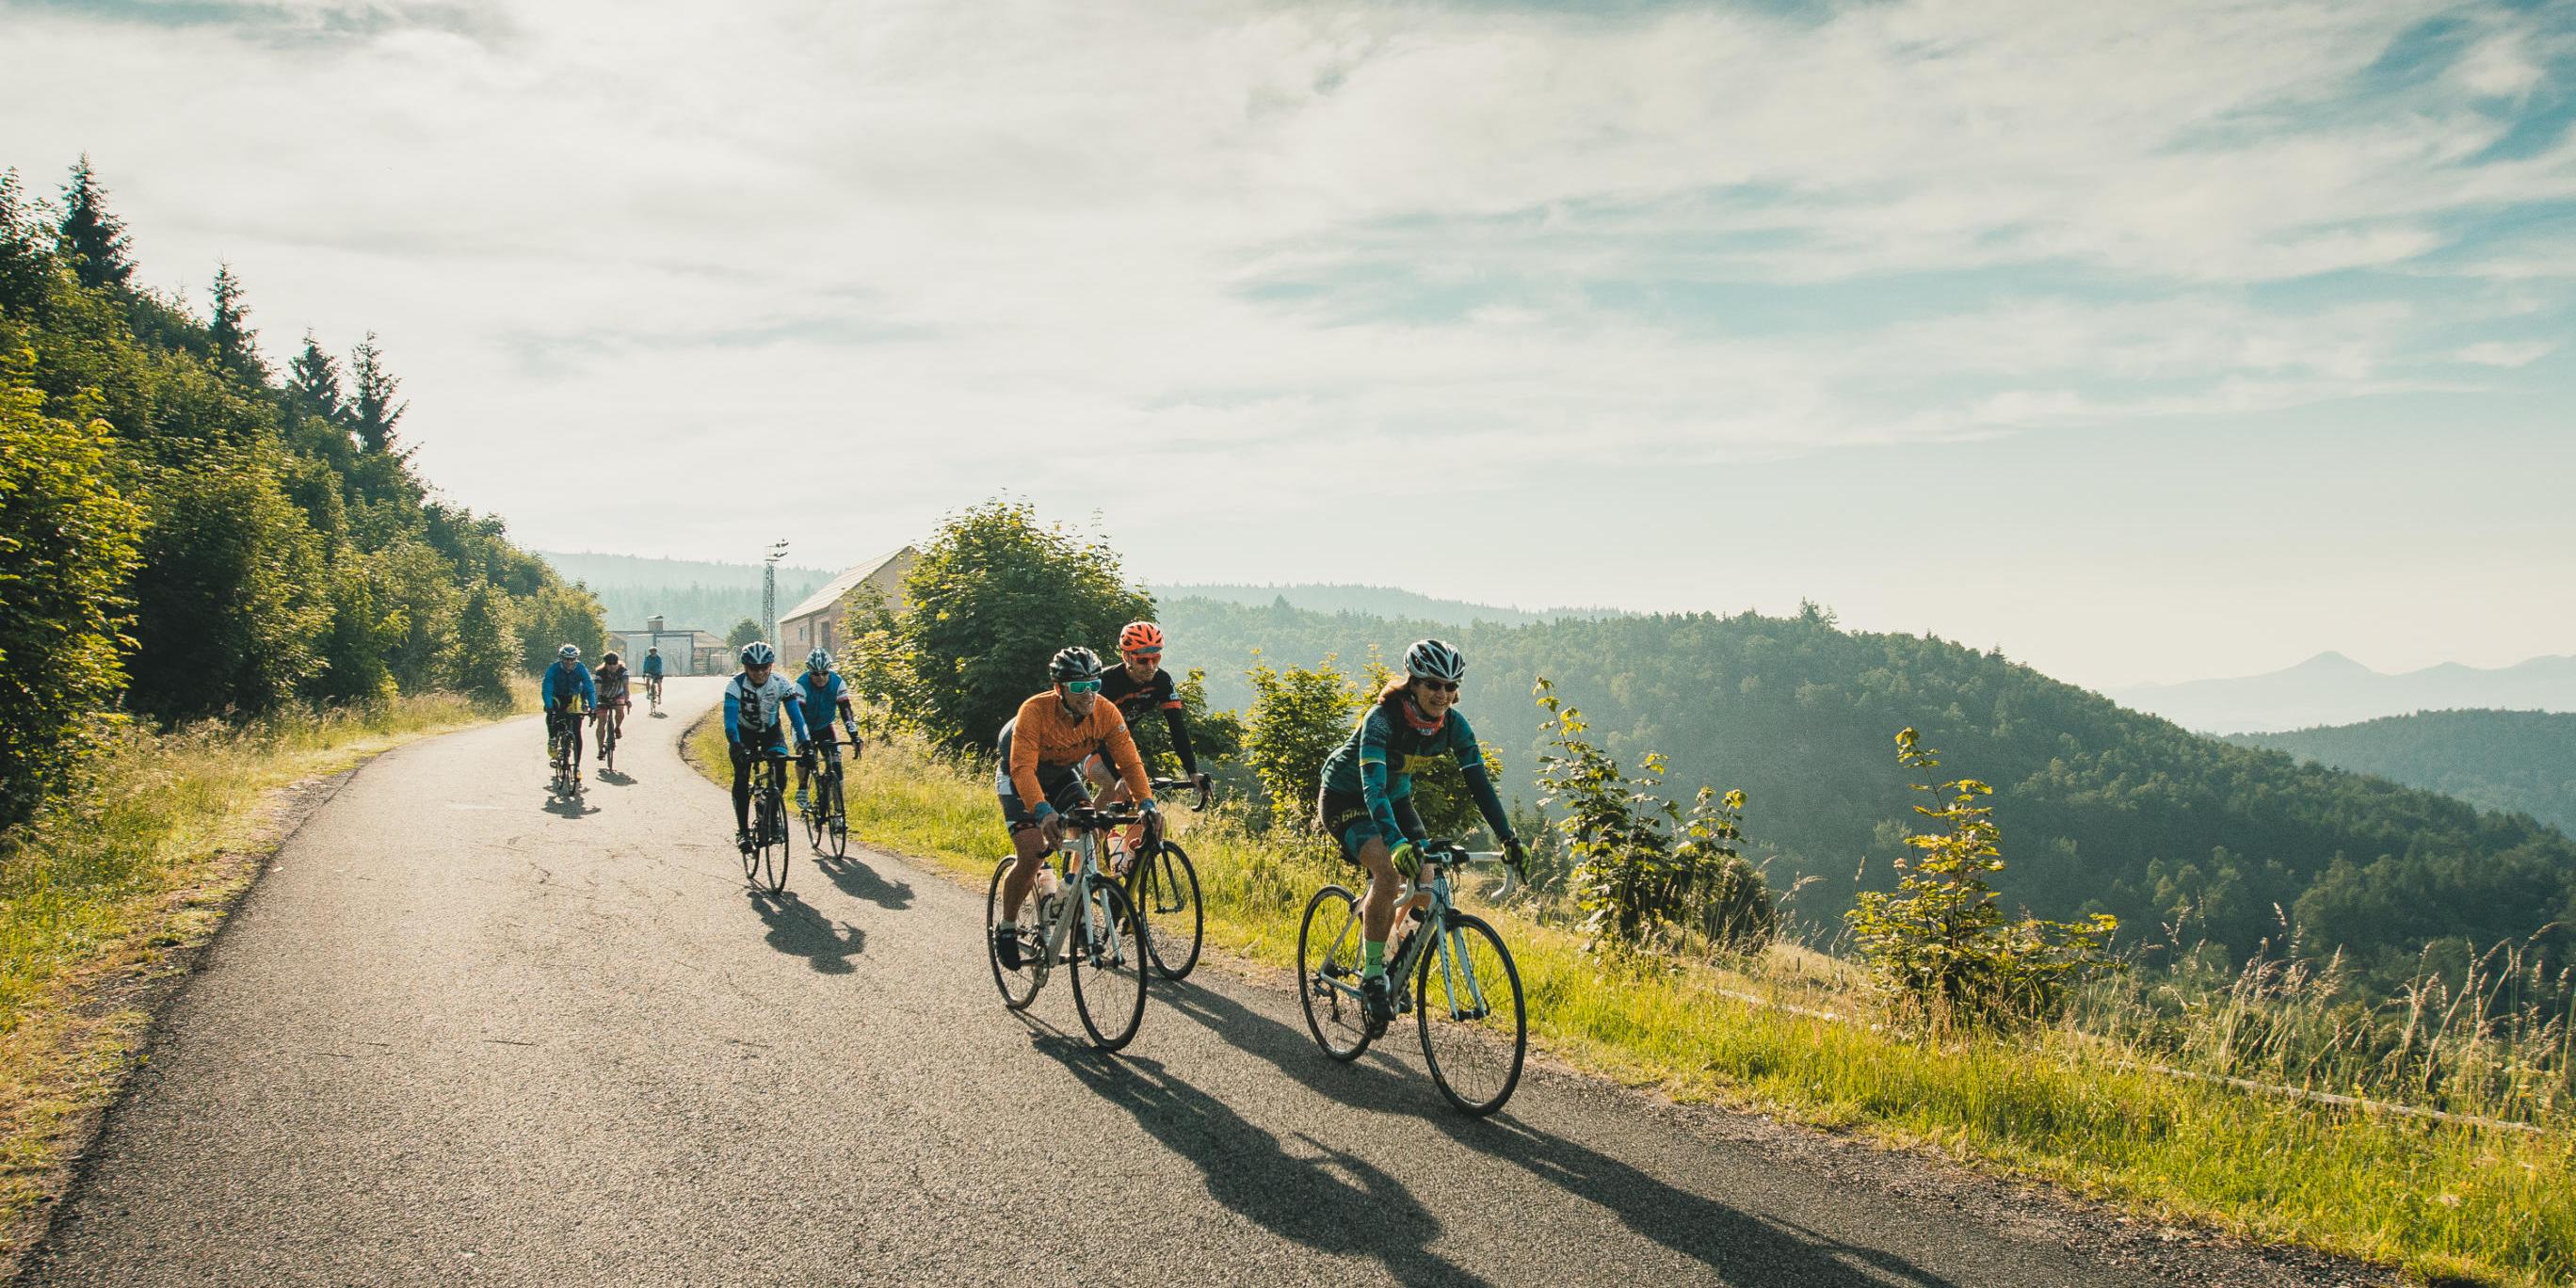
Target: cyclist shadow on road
x=1734, y=1242
x=797, y=930
x=1309, y=1193
x=859, y=881
x=570, y=806
x=615, y=777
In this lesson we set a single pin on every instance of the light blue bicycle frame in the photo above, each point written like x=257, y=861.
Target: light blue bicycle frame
x=1457, y=969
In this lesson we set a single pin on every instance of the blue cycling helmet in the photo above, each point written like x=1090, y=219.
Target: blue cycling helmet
x=758, y=653
x=569, y=653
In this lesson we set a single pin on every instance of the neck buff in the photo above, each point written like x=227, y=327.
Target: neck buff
x=1420, y=722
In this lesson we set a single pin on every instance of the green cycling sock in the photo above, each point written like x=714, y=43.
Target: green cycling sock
x=1372, y=958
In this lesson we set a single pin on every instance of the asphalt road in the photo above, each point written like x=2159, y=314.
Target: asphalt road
x=454, y=1034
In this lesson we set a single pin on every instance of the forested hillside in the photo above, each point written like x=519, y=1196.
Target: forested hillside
x=686, y=592
x=2498, y=760
x=187, y=530
x=2102, y=808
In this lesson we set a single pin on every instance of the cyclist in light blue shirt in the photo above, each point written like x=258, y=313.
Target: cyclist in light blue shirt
x=823, y=693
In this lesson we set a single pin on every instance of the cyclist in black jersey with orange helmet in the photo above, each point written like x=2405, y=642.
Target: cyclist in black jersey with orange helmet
x=1137, y=689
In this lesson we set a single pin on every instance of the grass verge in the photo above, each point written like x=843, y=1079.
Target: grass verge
x=2443, y=1201
x=107, y=894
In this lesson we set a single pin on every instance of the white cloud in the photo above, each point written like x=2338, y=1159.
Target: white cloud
x=966, y=237
x=2505, y=353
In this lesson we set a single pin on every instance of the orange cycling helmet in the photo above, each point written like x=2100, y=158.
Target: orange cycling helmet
x=1140, y=635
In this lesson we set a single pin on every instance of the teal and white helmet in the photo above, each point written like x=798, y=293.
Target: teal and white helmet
x=819, y=661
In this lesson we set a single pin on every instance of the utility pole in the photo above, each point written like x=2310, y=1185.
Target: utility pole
x=769, y=591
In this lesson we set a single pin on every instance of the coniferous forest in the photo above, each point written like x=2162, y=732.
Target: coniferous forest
x=191, y=527
x=2193, y=843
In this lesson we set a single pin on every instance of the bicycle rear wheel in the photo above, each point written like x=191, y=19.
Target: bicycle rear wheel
x=608, y=746
x=1328, y=961
x=1467, y=1002
x=1174, y=922
x=811, y=814
x=1109, y=967
x=1019, y=987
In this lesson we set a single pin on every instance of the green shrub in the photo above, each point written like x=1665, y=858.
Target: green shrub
x=67, y=540
x=1645, y=874
x=1940, y=945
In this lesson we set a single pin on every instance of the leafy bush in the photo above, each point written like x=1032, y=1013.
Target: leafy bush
x=1297, y=717
x=995, y=594
x=66, y=544
x=1940, y=945
x=1646, y=874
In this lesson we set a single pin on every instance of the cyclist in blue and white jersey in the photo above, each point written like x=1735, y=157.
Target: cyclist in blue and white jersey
x=759, y=706
x=823, y=693
x=564, y=684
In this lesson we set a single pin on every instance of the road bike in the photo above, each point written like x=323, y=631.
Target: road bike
x=1448, y=968
x=1164, y=885
x=764, y=856
x=607, y=718
x=563, y=740
x=653, y=692
x=1088, y=923
x=827, y=820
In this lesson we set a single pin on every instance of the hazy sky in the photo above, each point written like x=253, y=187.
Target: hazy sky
x=2145, y=341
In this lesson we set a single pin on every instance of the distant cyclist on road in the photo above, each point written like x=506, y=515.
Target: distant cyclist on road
x=1042, y=749
x=1138, y=689
x=758, y=708
x=822, y=693
x=565, y=684
x=1366, y=801
x=613, y=700
x=652, y=672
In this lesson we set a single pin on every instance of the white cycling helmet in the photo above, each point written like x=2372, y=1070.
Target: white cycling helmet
x=758, y=653
x=1434, y=660
x=569, y=653
x=819, y=661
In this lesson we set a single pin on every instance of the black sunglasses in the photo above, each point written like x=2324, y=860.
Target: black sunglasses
x=1436, y=686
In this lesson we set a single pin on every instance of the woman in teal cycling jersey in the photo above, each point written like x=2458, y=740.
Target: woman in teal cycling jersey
x=1367, y=798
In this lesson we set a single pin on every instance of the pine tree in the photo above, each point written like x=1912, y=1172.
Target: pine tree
x=236, y=344
x=313, y=385
x=22, y=249
x=375, y=413
x=92, y=237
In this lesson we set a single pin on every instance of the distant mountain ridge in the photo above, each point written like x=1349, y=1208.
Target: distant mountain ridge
x=2516, y=761
x=2331, y=689
x=1375, y=601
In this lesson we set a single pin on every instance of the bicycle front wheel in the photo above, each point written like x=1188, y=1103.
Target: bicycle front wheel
x=1174, y=922
x=1467, y=999
x=768, y=862
x=1109, y=967
x=1328, y=973
x=1019, y=987
x=836, y=820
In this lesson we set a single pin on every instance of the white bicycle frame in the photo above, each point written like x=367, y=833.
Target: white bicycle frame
x=1075, y=894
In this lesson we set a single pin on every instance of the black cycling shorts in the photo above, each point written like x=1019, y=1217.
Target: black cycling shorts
x=1347, y=820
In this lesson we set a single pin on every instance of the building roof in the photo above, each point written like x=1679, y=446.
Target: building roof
x=832, y=590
